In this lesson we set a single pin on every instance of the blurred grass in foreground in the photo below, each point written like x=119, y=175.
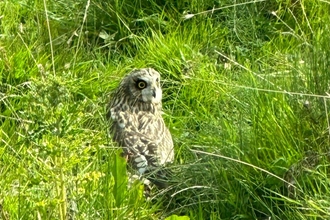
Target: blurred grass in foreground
x=248, y=81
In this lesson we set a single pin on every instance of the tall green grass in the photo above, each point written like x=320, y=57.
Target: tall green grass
x=245, y=97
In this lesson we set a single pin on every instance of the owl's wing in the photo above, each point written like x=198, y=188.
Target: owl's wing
x=139, y=146
x=147, y=143
x=154, y=127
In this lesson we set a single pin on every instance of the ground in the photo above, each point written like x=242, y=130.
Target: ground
x=246, y=95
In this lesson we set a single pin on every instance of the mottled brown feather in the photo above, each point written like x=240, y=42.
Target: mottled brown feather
x=137, y=124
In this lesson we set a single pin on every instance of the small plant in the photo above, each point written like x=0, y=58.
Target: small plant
x=245, y=95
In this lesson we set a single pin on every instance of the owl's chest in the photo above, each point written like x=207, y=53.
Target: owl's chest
x=142, y=122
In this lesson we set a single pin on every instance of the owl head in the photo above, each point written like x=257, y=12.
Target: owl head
x=143, y=85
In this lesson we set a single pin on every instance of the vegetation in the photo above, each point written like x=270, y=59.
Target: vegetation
x=246, y=98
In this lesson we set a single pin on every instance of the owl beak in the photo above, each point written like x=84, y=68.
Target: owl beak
x=154, y=93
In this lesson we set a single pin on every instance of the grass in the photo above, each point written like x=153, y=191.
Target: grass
x=245, y=89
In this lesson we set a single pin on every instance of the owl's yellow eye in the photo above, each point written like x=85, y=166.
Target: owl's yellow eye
x=141, y=84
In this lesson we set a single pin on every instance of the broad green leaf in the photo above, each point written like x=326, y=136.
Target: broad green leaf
x=120, y=177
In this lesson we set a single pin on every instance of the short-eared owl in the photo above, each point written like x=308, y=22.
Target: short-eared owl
x=137, y=124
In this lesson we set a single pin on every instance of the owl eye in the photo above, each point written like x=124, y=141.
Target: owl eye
x=141, y=84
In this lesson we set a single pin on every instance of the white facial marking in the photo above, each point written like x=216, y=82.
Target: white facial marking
x=152, y=93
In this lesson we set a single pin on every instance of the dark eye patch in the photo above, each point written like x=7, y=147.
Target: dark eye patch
x=141, y=84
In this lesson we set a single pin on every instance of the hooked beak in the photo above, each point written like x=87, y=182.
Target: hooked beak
x=154, y=93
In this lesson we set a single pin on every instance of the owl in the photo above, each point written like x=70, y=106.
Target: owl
x=137, y=126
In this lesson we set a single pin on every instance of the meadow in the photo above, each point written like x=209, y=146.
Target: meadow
x=245, y=96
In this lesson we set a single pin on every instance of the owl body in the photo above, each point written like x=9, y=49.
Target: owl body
x=137, y=124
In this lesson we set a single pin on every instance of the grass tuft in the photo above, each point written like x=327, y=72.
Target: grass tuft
x=246, y=97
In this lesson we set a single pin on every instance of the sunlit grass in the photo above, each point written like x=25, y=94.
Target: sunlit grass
x=246, y=91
